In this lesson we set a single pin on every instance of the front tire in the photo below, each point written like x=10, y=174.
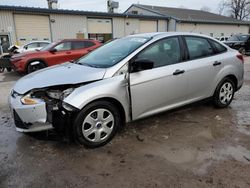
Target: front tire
x=97, y=124
x=224, y=93
x=32, y=68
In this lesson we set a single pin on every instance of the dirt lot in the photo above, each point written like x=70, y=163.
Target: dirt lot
x=195, y=146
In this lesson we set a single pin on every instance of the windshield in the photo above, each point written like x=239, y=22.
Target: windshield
x=112, y=52
x=239, y=38
x=47, y=47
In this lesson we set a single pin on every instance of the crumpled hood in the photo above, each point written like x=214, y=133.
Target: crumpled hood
x=67, y=73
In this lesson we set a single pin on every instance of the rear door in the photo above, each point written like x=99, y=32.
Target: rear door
x=202, y=67
x=162, y=87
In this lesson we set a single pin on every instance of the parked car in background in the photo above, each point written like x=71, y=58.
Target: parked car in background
x=5, y=62
x=32, y=46
x=239, y=42
x=53, y=54
x=125, y=80
x=223, y=38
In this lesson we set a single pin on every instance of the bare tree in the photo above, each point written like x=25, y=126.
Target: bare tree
x=239, y=9
x=206, y=9
x=222, y=7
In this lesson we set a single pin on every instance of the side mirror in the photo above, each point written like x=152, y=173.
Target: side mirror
x=25, y=47
x=53, y=50
x=141, y=64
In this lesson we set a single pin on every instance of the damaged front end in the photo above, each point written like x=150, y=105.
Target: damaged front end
x=43, y=109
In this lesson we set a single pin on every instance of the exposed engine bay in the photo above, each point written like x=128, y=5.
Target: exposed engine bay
x=59, y=113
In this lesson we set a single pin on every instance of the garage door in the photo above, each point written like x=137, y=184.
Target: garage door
x=99, y=26
x=148, y=26
x=31, y=28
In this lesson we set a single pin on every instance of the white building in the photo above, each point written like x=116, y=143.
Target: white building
x=23, y=24
x=187, y=20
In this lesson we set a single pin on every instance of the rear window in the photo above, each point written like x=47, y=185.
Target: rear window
x=239, y=38
x=43, y=44
x=89, y=44
x=219, y=48
x=198, y=47
x=32, y=45
x=82, y=44
x=243, y=37
x=78, y=45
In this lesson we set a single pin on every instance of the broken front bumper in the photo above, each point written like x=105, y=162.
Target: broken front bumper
x=29, y=118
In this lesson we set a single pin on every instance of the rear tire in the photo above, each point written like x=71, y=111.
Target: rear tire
x=242, y=51
x=96, y=124
x=224, y=93
x=32, y=68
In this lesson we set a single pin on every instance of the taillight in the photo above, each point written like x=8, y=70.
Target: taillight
x=240, y=57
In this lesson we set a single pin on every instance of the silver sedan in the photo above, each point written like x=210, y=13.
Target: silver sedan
x=125, y=80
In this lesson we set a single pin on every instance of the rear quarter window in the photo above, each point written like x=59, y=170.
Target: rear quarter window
x=219, y=48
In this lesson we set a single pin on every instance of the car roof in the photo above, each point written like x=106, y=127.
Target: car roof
x=63, y=40
x=38, y=41
x=166, y=34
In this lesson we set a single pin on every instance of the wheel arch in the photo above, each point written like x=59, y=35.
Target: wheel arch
x=114, y=101
x=234, y=79
x=35, y=59
x=231, y=77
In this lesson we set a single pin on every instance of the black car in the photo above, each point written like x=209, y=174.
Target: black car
x=239, y=42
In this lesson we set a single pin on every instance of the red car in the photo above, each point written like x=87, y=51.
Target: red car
x=55, y=53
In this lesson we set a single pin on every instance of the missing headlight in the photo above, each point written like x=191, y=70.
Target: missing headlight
x=67, y=92
x=54, y=94
x=68, y=107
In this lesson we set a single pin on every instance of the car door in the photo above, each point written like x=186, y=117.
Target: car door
x=162, y=87
x=202, y=67
x=62, y=53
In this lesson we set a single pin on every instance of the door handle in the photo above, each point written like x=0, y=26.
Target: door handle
x=90, y=50
x=216, y=63
x=68, y=52
x=177, y=72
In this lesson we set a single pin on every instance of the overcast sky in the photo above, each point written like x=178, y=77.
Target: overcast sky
x=100, y=5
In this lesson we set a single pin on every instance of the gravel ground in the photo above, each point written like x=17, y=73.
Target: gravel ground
x=194, y=146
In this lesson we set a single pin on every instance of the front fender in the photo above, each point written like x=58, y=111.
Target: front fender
x=115, y=88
